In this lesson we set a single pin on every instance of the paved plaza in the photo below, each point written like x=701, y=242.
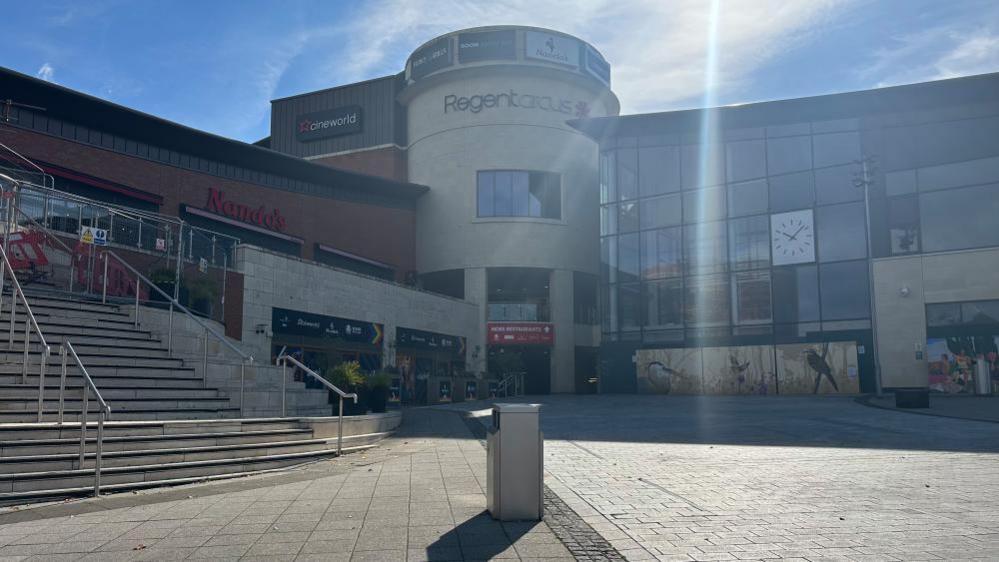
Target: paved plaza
x=668, y=478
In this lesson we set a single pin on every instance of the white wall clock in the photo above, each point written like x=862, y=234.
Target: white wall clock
x=792, y=237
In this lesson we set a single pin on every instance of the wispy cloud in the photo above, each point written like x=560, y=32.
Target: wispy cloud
x=657, y=49
x=46, y=72
x=934, y=54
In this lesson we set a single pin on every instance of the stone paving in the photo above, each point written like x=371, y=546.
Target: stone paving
x=747, y=478
x=418, y=496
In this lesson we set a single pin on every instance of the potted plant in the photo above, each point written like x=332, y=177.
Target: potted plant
x=378, y=391
x=201, y=295
x=347, y=377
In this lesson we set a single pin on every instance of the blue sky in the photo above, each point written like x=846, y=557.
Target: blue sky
x=215, y=65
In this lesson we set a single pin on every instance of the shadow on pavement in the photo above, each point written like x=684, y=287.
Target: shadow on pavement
x=479, y=538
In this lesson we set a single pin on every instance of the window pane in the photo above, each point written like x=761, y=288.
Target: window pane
x=704, y=204
x=980, y=312
x=835, y=185
x=630, y=306
x=627, y=173
x=960, y=218
x=701, y=165
x=660, y=211
x=608, y=178
x=705, y=248
x=797, y=290
x=608, y=259
x=844, y=290
x=659, y=169
x=551, y=196
x=789, y=154
x=628, y=257
x=903, y=225
x=706, y=301
x=661, y=253
x=841, y=233
x=504, y=193
x=746, y=160
x=665, y=304
x=838, y=148
x=748, y=198
x=628, y=216
x=749, y=242
x=946, y=314
x=485, y=189
x=608, y=219
x=519, y=183
x=959, y=174
x=792, y=192
x=751, y=293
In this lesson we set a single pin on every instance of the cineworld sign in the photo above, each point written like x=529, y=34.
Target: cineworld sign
x=331, y=123
x=260, y=216
x=478, y=102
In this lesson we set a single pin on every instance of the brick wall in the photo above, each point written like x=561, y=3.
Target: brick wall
x=388, y=162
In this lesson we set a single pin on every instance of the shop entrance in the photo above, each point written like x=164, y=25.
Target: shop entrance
x=534, y=361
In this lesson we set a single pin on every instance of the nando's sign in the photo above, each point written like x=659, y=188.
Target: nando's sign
x=256, y=215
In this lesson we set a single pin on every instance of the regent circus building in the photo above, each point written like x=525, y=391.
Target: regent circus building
x=486, y=211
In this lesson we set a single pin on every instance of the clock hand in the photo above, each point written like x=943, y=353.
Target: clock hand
x=795, y=235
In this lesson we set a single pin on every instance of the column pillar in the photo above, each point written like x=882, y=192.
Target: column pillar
x=476, y=292
x=560, y=297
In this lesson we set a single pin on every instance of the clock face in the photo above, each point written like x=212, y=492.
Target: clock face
x=792, y=238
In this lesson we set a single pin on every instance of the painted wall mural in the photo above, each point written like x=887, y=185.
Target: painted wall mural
x=815, y=368
x=954, y=363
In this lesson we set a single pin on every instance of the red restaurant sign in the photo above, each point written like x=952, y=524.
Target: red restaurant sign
x=259, y=216
x=515, y=333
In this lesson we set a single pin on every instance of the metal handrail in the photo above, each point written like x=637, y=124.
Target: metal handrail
x=103, y=414
x=283, y=361
x=16, y=290
x=517, y=379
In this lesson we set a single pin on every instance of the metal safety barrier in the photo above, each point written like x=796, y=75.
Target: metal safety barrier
x=283, y=360
x=104, y=412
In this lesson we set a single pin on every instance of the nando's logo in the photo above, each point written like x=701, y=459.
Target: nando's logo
x=260, y=216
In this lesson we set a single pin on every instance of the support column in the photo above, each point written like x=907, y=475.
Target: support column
x=476, y=292
x=560, y=297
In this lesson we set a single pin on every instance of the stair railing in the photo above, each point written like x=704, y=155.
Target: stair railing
x=514, y=379
x=104, y=412
x=174, y=304
x=29, y=323
x=283, y=360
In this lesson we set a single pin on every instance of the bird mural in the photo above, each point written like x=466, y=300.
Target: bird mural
x=821, y=367
x=738, y=370
x=659, y=377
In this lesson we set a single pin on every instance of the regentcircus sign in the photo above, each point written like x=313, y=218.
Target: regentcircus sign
x=478, y=102
x=330, y=123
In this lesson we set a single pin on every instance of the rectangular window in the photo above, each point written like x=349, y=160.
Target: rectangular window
x=751, y=295
x=608, y=219
x=749, y=242
x=665, y=304
x=658, y=170
x=608, y=177
x=844, y=287
x=792, y=191
x=706, y=301
x=704, y=204
x=746, y=160
x=797, y=290
x=837, y=185
x=662, y=253
x=841, y=232
x=608, y=259
x=660, y=211
x=630, y=306
x=903, y=225
x=516, y=193
x=959, y=219
x=628, y=254
x=627, y=216
x=789, y=154
x=836, y=148
x=627, y=173
x=705, y=248
x=702, y=165
x=748, y=198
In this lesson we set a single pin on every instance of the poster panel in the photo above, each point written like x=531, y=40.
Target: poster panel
x=818, y=368
x=739, y=370
x=953, y=363
x=669, y=371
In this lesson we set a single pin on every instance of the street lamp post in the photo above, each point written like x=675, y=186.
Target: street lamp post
x=864, y=181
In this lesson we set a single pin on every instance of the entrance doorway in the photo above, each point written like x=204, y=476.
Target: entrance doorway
x=534, y=361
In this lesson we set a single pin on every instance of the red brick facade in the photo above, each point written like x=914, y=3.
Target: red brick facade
x=388, y=162
x=376, y=232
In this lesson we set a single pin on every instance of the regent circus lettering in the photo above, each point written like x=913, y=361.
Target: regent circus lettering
x=478, y=102
x=218, y=204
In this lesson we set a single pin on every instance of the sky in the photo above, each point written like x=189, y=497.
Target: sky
x=215, y=65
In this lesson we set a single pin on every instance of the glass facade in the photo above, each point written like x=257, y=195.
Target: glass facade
x=517, y=193
x=689, y=254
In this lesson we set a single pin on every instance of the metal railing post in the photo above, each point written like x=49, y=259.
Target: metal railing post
x=62, y=382
x=204, y=365
x=98, y=453
x=13, y=313
x=83, y=424
x=27, y=341
x=242, y=379
x=41, y=383
x=170, y=330
x=284, y=381
x=104, y=291
x=339, y=430
x=136, y=303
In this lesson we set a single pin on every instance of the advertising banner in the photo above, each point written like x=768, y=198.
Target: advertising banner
x=334, y=122
x=487, y=45
x=421, y=339
x=297, y=323
x=519, y=333
x=553, y=48
x=433, y=57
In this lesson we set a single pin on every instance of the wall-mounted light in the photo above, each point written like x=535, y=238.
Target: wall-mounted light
x=260, y=329
x=904, y=291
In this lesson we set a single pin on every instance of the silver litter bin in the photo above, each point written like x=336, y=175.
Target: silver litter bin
x=515, y=463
